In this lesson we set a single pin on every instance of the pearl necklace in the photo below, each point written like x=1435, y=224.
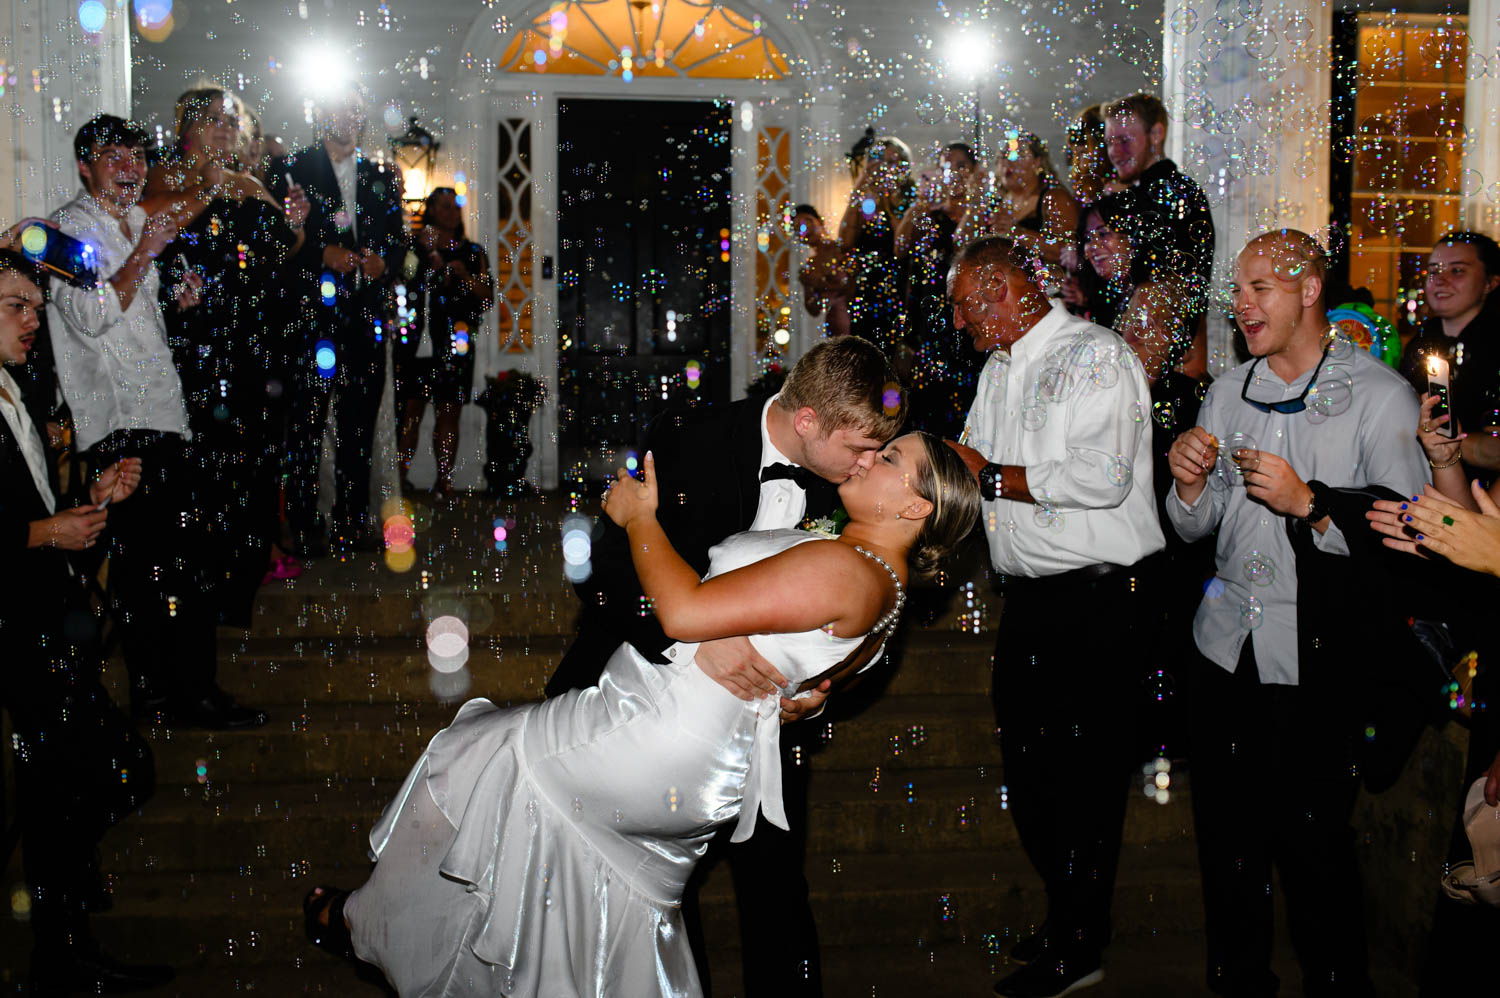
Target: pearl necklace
x=887, y=622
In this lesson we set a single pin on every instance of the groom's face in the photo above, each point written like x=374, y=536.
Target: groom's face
x=840, y=455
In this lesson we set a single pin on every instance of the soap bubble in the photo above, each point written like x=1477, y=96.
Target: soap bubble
x=930, y=110
x=1251, y=613
x=1330, y=397
x=1259, y=570
x=1184, y=19
x=1230, y=471
x=1260, y=43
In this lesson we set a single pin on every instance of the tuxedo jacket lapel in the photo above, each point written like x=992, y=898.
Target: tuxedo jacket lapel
x=745, y=454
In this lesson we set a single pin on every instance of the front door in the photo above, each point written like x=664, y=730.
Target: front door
x=644, y=277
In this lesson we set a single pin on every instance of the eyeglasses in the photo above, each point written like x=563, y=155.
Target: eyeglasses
x=1287, y=406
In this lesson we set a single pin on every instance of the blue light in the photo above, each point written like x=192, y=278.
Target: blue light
x=867, y=206
x=153, y=13
x=326, y=358
x=91, y=16
x=328, y=288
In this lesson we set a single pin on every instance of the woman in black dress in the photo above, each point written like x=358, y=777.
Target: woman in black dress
x=882, y=192
x=227, y=348
x=945, y=374
x=450, y=291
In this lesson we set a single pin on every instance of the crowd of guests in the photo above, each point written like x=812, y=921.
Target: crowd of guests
x=173, y=338
x=1227, y=578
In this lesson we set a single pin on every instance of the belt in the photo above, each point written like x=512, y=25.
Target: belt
x=1086, y=574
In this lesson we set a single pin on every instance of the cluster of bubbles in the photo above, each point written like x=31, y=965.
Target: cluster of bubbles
x=1157, y=779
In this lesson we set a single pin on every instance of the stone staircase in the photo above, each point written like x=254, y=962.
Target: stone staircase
x=918, y=879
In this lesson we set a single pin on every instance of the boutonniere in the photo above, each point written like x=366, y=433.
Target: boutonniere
x=827, y=526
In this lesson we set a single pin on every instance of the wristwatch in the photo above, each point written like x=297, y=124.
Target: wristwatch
x=1317, y=506
x=989, y=481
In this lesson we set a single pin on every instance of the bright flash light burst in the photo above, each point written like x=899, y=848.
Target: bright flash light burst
x=325, y=70
x=969, y=54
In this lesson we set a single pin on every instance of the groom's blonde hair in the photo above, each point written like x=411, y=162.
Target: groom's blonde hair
x=850, y=384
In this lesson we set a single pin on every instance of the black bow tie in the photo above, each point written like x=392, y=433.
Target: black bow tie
x=803, y=478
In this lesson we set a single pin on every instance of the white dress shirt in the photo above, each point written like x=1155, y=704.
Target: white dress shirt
x=24, y=430
x=1070, y=404
x=347, y=173
x=114, y=367
x=1366, y=436
x=782, y=501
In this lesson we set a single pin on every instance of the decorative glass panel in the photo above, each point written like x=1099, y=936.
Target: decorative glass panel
x=514, y=281
x=630, y=38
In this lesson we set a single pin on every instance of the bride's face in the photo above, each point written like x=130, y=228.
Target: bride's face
x=887, y=488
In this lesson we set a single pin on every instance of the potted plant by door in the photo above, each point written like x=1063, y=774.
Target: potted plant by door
x=508, y=400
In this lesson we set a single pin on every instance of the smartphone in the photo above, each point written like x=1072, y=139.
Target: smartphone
x=1439, y=384
x=71, y=259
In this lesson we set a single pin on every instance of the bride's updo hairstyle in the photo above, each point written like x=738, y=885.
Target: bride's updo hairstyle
x=947, y=483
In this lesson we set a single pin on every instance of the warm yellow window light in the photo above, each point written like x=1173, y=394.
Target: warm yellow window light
x=630, y=38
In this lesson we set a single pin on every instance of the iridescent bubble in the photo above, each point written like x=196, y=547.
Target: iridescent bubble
x=930, y=110
x=1230, y=470
x=1052, y=384
x=1046, y=515
x=1105, y=374
x=1165, y=414
x=1119, y=470
x=1194, y=74
x=1470, y=183
x=1033, y=415
x=1259, y=570
x=1251, y=613
x=1184, y=19
x=1330, y=397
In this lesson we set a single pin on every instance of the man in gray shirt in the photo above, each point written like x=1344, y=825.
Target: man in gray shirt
x=1308, y=409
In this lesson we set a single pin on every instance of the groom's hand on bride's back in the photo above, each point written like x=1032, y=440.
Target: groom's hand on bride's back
x=734, y=664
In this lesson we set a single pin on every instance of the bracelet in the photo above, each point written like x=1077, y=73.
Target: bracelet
x=1458, y=456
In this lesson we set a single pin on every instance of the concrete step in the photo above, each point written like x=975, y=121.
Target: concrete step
x=218, y=827
x=254, y=916
x=516, y=667
x=1150, y=967
x=381, y=740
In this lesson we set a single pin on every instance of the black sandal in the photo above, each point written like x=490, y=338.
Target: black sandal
x=323, y=915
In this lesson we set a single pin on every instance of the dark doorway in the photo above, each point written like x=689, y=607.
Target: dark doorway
x=644, y=277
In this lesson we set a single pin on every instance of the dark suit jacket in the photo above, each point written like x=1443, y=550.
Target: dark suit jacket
x=1357, y=653
x=379, y=225
x=35, y=583
x=708, y=480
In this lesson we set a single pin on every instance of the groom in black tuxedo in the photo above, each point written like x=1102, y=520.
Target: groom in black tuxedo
x=755, y=464
x=353, y=253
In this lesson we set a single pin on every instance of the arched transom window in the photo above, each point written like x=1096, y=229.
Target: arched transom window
x=630, y=38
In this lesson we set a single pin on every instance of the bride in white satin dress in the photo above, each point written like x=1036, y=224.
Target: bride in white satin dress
x=543, y=849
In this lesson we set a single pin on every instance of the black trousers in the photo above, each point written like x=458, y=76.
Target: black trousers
x=353, y=384
x=161, y=585
x=1066, y=713
x=1268, y=787
x=778, y=937
x=80, y=766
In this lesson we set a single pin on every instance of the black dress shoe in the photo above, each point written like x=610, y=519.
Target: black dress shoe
x=1051, y=978
x=91, y=971
x=217, y=712
x=1030, y=949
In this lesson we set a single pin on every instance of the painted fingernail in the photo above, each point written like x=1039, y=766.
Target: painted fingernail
x=1403, y=505
x=1416, y=498
x=1421, y=538
x=1408, y=519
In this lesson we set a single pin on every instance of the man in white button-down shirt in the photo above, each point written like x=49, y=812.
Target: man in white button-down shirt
x=1060, y=435
x=118, y=377
x=1308, y=408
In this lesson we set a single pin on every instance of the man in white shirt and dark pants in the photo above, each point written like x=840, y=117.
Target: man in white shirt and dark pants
x=116, y=373
x=1273, y=776
x=1060, y=435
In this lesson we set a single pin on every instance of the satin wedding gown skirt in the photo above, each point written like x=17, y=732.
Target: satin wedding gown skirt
x=542, y=850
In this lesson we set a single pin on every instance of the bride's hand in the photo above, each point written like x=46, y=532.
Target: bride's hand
x=628, y=499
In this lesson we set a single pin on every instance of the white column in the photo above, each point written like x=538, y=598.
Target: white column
x=63, y=77
x=1248, y=91
x=1481, y=205
x=742, y=227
